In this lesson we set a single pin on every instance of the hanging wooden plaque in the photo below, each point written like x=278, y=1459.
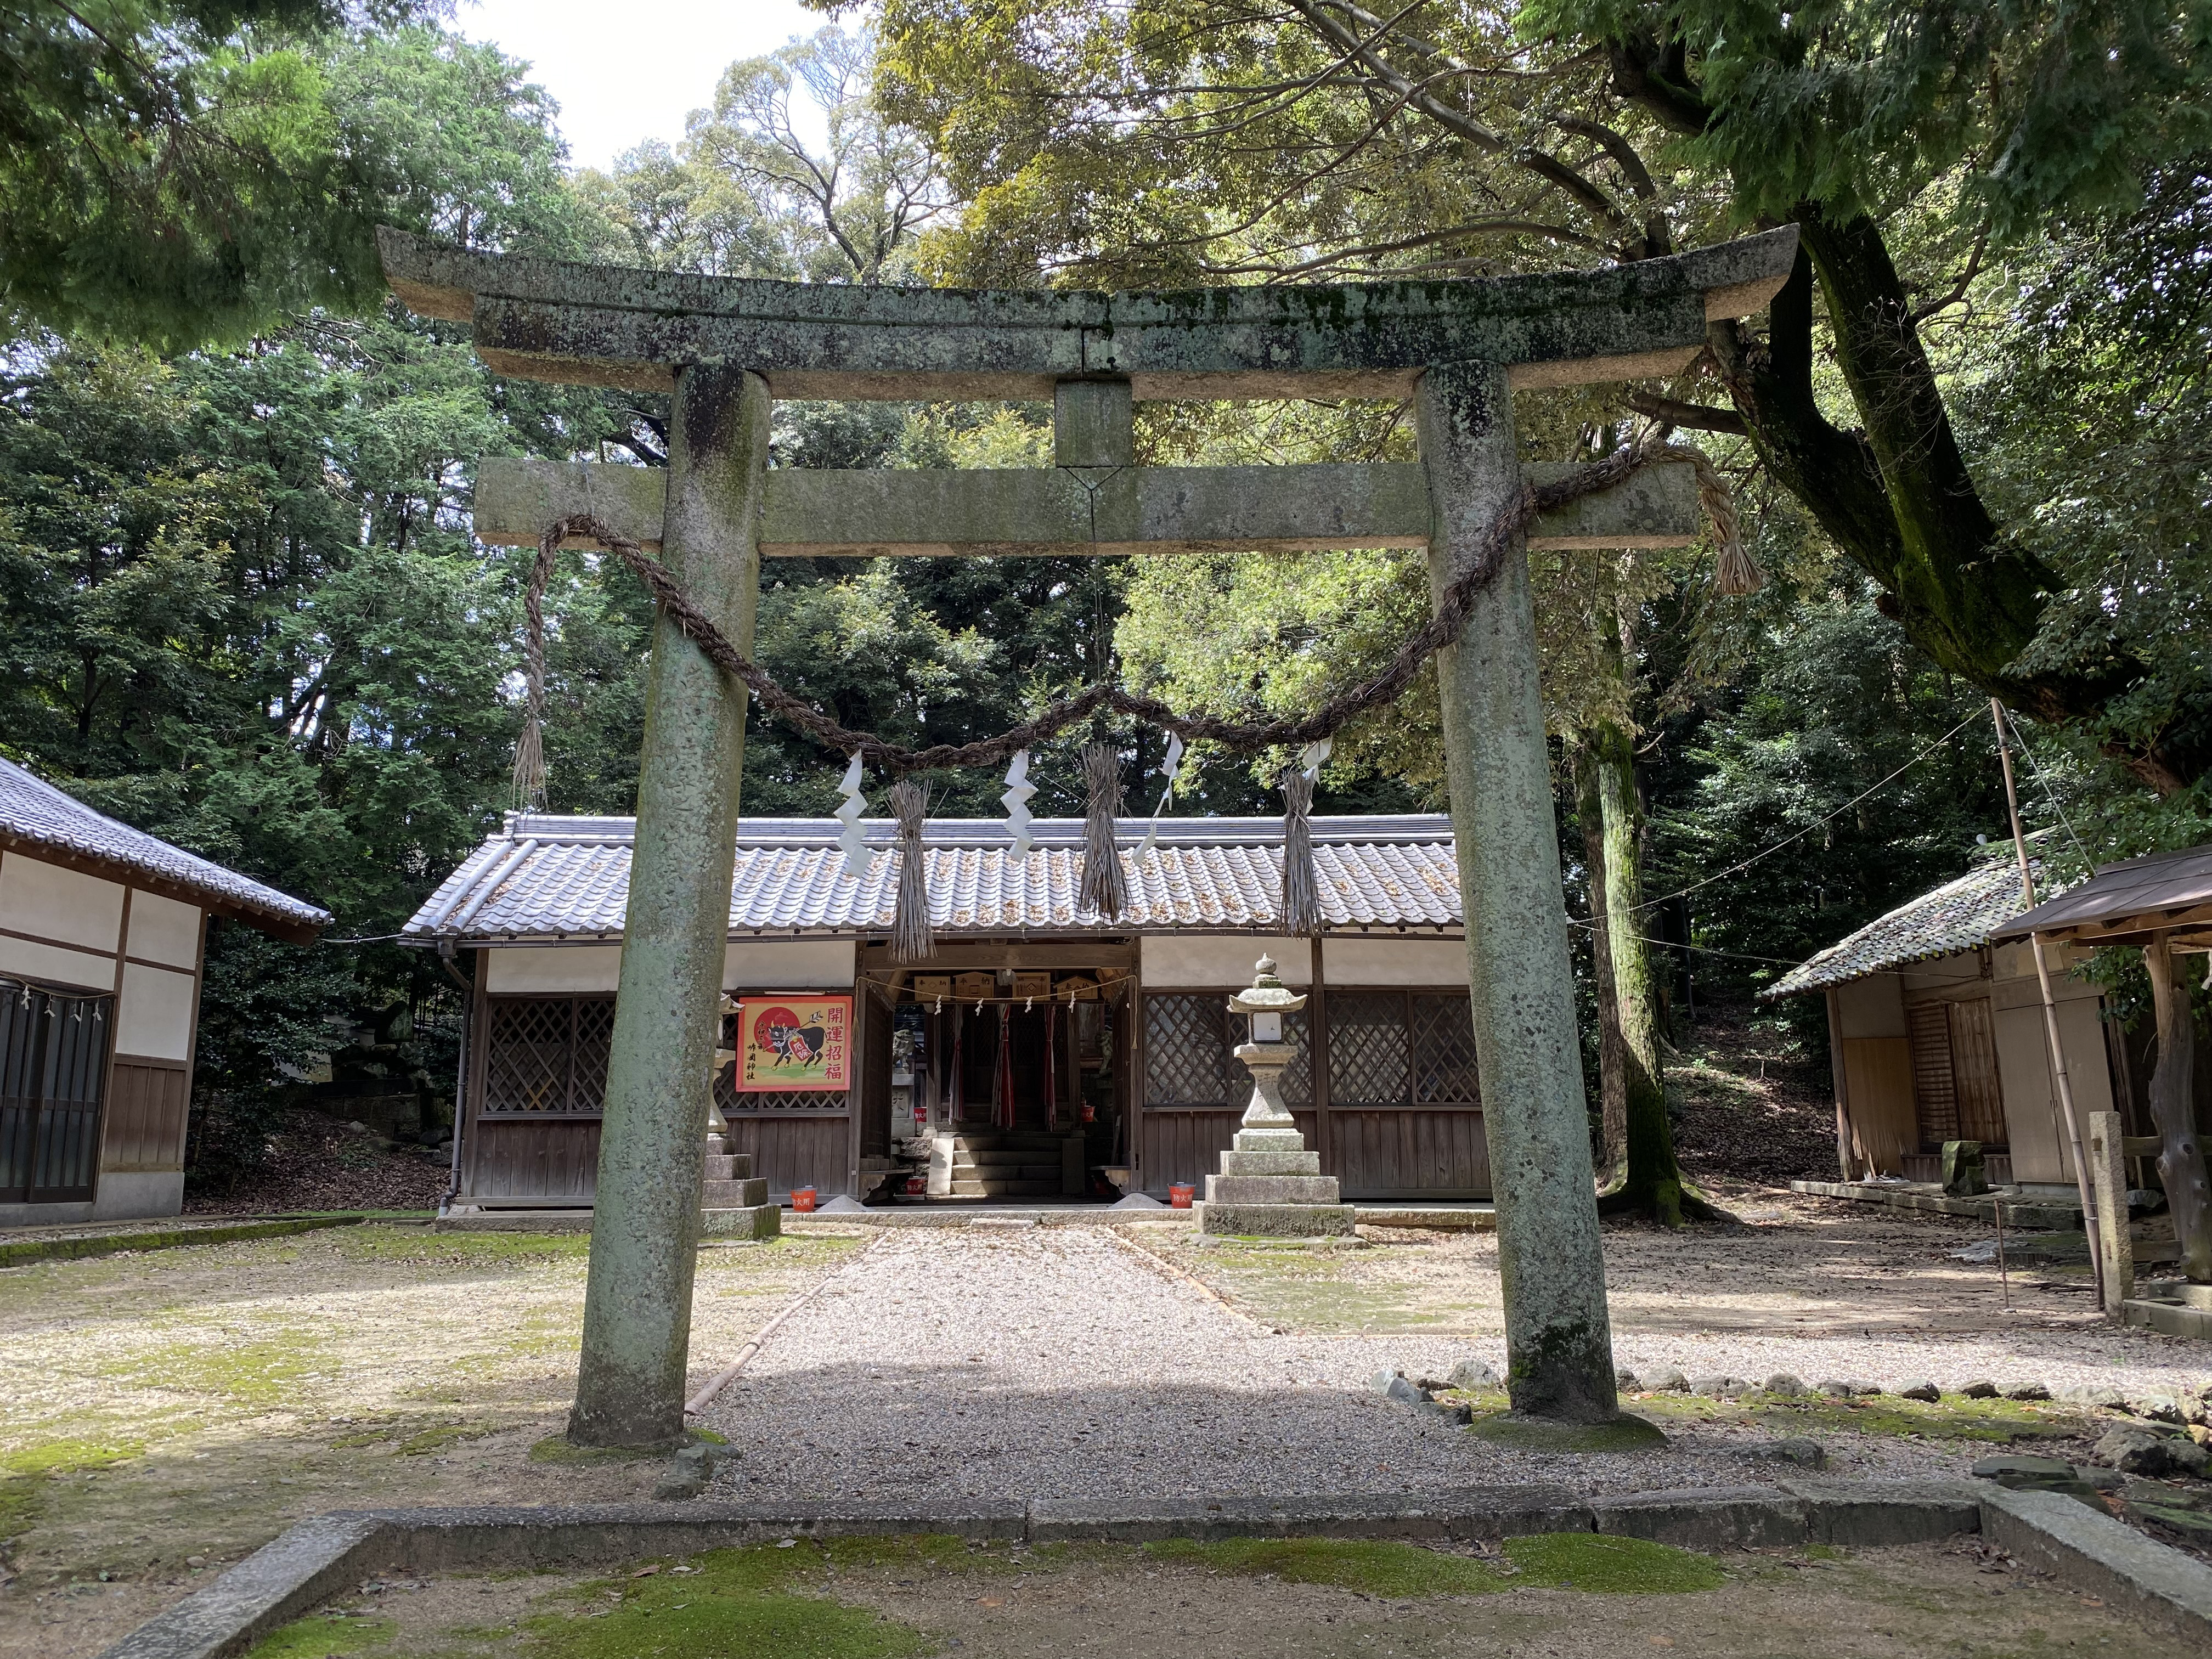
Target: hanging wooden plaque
x=927, y=987
x=976, y=987
x=1032, y=984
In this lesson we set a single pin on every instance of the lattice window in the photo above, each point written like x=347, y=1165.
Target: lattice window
x=595, y=1030
x=1190, y=1042
x=1185, y=1049
x=1934, y=1091
x=1370, y=1058
x=1443, y=1050
x=547, y=1054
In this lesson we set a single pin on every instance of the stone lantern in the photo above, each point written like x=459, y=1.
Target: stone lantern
x=1270, y=1185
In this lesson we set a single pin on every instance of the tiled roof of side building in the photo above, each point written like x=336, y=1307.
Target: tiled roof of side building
x=2162, y=891
x=1959, y=915
x=548, y=878
x=37, y=817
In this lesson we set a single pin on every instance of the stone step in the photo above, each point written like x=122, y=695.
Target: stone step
x=1277, y=1220
x=1008, y=1188
x=748, y=1193
x=729, y=1166
x=745, y=1221
x=1271, y=1189
x=1270, y=1164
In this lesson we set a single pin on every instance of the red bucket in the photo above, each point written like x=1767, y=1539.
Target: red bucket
x=802, y=1199
x=1180, y=1194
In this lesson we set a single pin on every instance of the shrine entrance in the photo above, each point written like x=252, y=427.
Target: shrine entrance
x=726, y=348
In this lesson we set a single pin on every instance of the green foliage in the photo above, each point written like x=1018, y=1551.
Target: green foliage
x=1615, y=1566
x=183, y=173
x=1857, y=103
x=325, y=1636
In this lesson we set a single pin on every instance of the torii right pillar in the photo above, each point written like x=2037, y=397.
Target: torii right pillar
x=1558, y=1339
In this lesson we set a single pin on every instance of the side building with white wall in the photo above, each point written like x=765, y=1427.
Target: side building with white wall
x=102, y=943
x=1936, y=1033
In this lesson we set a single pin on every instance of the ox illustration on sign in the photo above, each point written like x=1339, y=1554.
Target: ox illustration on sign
x=787, y=1043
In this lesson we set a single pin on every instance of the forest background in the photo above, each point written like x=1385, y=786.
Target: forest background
x=239, y=605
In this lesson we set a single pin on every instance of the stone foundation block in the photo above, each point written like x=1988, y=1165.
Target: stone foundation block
x=1267, y=1140
x=744, y=1221
x=1271, y=1189
x=729, y=1166
x=1715, y=1518
x=734, y=1195
x=1277, y=1220
x=1270, y=1164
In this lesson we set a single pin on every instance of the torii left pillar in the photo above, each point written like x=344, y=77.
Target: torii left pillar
x=645, y=1220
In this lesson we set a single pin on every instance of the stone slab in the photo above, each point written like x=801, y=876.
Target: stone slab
x=2040, y=1216
x=1270, y=1164
x=1464, y=1512
x=1445, y=1218
x=316, y=1559
x=1708, y=1518
x=745, y=1221
x=739, y=1194
x=2095, y=1552
x=606, y=326
x=817, y=513
x=1869, y=1514
x=285, y=1578
x=2170, y=1318
x=1267, y=1140
x=1248, y=1189
x=1276, y=1220
x=515, y=1221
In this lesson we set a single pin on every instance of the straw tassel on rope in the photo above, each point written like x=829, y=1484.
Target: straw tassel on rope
x=1736, y=573
x=912, y=937
x=1301, y=898
x=1105, y=889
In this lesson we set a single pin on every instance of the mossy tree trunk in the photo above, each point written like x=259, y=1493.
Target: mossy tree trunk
x=1650, y=1179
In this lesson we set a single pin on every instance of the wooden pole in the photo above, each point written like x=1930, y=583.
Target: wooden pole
x=2091, y=1231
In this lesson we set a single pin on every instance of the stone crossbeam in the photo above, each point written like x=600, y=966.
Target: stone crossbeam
x=808, y=513
x=588, y=324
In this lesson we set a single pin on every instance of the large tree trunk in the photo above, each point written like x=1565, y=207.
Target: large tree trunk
x=1895, y=496
x=2174, y=1110
x=1652, y=1181
x=1612, y=1058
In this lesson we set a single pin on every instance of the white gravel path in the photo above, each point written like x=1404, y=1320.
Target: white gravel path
x=1066, y=1362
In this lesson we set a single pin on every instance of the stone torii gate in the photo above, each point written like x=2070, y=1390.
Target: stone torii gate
x=727, y=348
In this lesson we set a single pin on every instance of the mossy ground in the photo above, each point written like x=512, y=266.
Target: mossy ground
x=189, y=1404
x=1955, y=1417
x=1624, y=1433
x=1580, y=1561
x=1573, y=1596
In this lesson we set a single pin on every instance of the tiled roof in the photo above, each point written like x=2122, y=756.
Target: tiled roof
x=548, y=878
x=35, y=814
x=2141, y=895
x=1958, y=915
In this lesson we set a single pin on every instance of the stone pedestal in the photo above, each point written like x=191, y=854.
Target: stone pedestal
x=1270, y=1186
x=733, y=1199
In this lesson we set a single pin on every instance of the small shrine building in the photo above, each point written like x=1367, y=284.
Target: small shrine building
x=1043, y=1053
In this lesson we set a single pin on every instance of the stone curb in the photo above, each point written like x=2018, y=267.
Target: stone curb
x=2066, y=1538
x=15, y=1253
x=315, y=1559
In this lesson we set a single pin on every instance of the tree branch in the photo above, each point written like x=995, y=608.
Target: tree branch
x=1699, y=417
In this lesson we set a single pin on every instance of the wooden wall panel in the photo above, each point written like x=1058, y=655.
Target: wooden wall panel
x=1394, y=1154
x=553, y=1159
x=1878, y=1085
x=797, y=1148
x=148, y=1102
x=1410, y=1154
x=1974, y=1074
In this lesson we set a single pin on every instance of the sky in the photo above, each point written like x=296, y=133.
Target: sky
x=633, y=72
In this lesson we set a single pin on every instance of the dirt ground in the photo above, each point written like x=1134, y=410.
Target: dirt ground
x=1575, y=1597
x=162, y=1415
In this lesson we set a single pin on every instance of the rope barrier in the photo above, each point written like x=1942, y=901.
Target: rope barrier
x=1445, y=625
